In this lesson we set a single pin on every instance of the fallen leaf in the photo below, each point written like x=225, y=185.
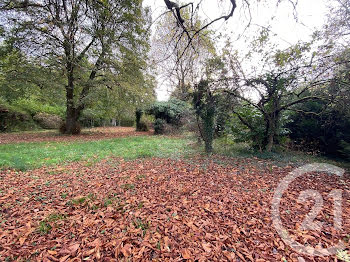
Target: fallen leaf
x=126, y=250
x=186, y=254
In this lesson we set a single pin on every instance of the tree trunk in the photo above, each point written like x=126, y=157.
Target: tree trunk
x=209, y=129
x=271, y=132
x=72, y=123
x=114, y=122
x=72, y=114
x=269, y=142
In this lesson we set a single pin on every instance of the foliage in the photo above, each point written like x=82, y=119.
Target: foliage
x=47, y=121
x=34, y=107
x=241, y=133
x=322, y=129
x=287, y=79
x=159, y=126
x=323, y=126
x=170, y=113
x=204, y=103
x=140, y=125
x=90, y=45
x=13, y=119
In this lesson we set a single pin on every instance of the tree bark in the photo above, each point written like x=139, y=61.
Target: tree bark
x=209, y=129
x=72, y=114
x=271, y=132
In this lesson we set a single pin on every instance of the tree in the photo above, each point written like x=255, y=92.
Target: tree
x=83, y=39
x=204, y=105
x=179, y=71
x=22, y=78
x=205, y=101
x=338, y=25
x=192, y=32
x=286, y=80
x=323, y=126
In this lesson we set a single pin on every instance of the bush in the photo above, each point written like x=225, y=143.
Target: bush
x=159, y=126
x=13, y=120
x=76, y=130
x=142, y=127
x=48, y=121
x=171, y=111
x=324, y=129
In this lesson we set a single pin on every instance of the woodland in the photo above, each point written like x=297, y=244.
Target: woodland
x=97, y=163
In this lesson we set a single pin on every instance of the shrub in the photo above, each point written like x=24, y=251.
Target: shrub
x=171, y=111
x=142, y=127
x=14, y=120
x=159, y=126
x=169, y=116
x=48, y=121
x=323, y=129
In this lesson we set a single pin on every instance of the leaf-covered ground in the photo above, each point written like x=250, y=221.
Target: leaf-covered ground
x=86, y=135
x=160, y=210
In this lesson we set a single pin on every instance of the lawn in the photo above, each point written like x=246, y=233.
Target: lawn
x=24, y=156
x=150, y=198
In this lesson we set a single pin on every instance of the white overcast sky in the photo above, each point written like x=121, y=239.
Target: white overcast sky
x=311, y=15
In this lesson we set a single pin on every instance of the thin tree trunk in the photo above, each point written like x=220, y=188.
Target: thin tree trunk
x=270, y=142
x=272, y=126
x=209, y=129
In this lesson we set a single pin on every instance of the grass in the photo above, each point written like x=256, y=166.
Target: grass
x=280, y=157
x=24, y=156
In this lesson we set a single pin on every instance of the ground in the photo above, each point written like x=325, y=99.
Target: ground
x=92, y=134
x=158, y=206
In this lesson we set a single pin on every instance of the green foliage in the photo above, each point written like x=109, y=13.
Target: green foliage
x=204, y=102
x=140, y=125
x=159, y=126
x=168, y=115
x=255, y=135
x=322, y=129
x=44, y=228
x=107, y=75
x=33, y=107
x=13, y=119
x=171, y=111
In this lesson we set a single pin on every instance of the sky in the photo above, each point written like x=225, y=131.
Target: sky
x=288, y=24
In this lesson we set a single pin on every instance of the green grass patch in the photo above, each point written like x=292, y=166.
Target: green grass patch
x=44, y=228
x=24, y=156
x=55, y=217
x=280, y=157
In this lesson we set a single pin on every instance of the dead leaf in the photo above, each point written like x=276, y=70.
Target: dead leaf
x=126, y=250
x=186, y=254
